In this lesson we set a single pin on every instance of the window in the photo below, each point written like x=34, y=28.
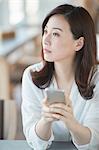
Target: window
x=21, y=11
x=16, y=11
x=31, y=10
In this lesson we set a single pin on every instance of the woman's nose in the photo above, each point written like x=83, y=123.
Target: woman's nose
x=47, y=39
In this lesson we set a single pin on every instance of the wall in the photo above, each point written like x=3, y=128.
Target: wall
x=47, y=5
x=3, y=12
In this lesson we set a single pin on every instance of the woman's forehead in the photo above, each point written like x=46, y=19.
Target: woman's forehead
x=57, y=22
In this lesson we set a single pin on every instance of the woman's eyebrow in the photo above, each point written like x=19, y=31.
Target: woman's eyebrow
x=56, y=28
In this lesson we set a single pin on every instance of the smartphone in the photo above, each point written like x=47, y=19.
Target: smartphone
x=55, y=96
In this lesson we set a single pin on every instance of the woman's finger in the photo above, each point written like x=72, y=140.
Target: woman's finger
x=48, y=116
x=62, y=106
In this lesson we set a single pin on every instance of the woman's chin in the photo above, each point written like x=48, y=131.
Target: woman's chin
x=48, y=59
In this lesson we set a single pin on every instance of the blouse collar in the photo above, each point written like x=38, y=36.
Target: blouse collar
x=74, y=87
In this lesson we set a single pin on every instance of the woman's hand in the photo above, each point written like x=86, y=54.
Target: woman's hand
x=47, y=115
x=63, y=112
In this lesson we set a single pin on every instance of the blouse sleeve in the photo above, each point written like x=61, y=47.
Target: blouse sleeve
x=31, y=112
x=91, y=121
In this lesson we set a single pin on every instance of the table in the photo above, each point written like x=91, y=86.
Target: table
x=22, y=145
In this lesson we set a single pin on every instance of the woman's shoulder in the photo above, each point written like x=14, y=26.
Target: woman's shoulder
x=34, y=67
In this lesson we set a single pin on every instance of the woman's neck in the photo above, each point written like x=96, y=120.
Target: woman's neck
x=64, y=72
x=64, y=75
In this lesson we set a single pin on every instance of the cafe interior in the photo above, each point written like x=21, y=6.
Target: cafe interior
x=20, y=46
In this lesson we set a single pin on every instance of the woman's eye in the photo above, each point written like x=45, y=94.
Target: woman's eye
x=55, y=34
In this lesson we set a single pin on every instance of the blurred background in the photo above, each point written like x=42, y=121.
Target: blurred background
x=20, y=39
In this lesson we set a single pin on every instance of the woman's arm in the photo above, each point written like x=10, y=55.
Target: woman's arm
x=80, y=133
x=31, y=112
x=43, y=127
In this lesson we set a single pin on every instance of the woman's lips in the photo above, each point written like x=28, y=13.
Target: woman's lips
x=46, y=50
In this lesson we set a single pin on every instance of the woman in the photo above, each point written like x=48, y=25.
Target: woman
x=69, y=64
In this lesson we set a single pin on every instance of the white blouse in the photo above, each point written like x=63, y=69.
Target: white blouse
x=86, y=112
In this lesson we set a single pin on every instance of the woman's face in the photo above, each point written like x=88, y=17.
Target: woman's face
x=58, y=42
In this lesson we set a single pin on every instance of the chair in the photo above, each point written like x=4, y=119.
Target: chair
x=8, y=119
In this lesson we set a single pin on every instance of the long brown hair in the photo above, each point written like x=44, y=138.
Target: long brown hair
x=81, y=25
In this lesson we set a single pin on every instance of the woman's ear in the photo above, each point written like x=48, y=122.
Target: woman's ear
x=79, y=43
